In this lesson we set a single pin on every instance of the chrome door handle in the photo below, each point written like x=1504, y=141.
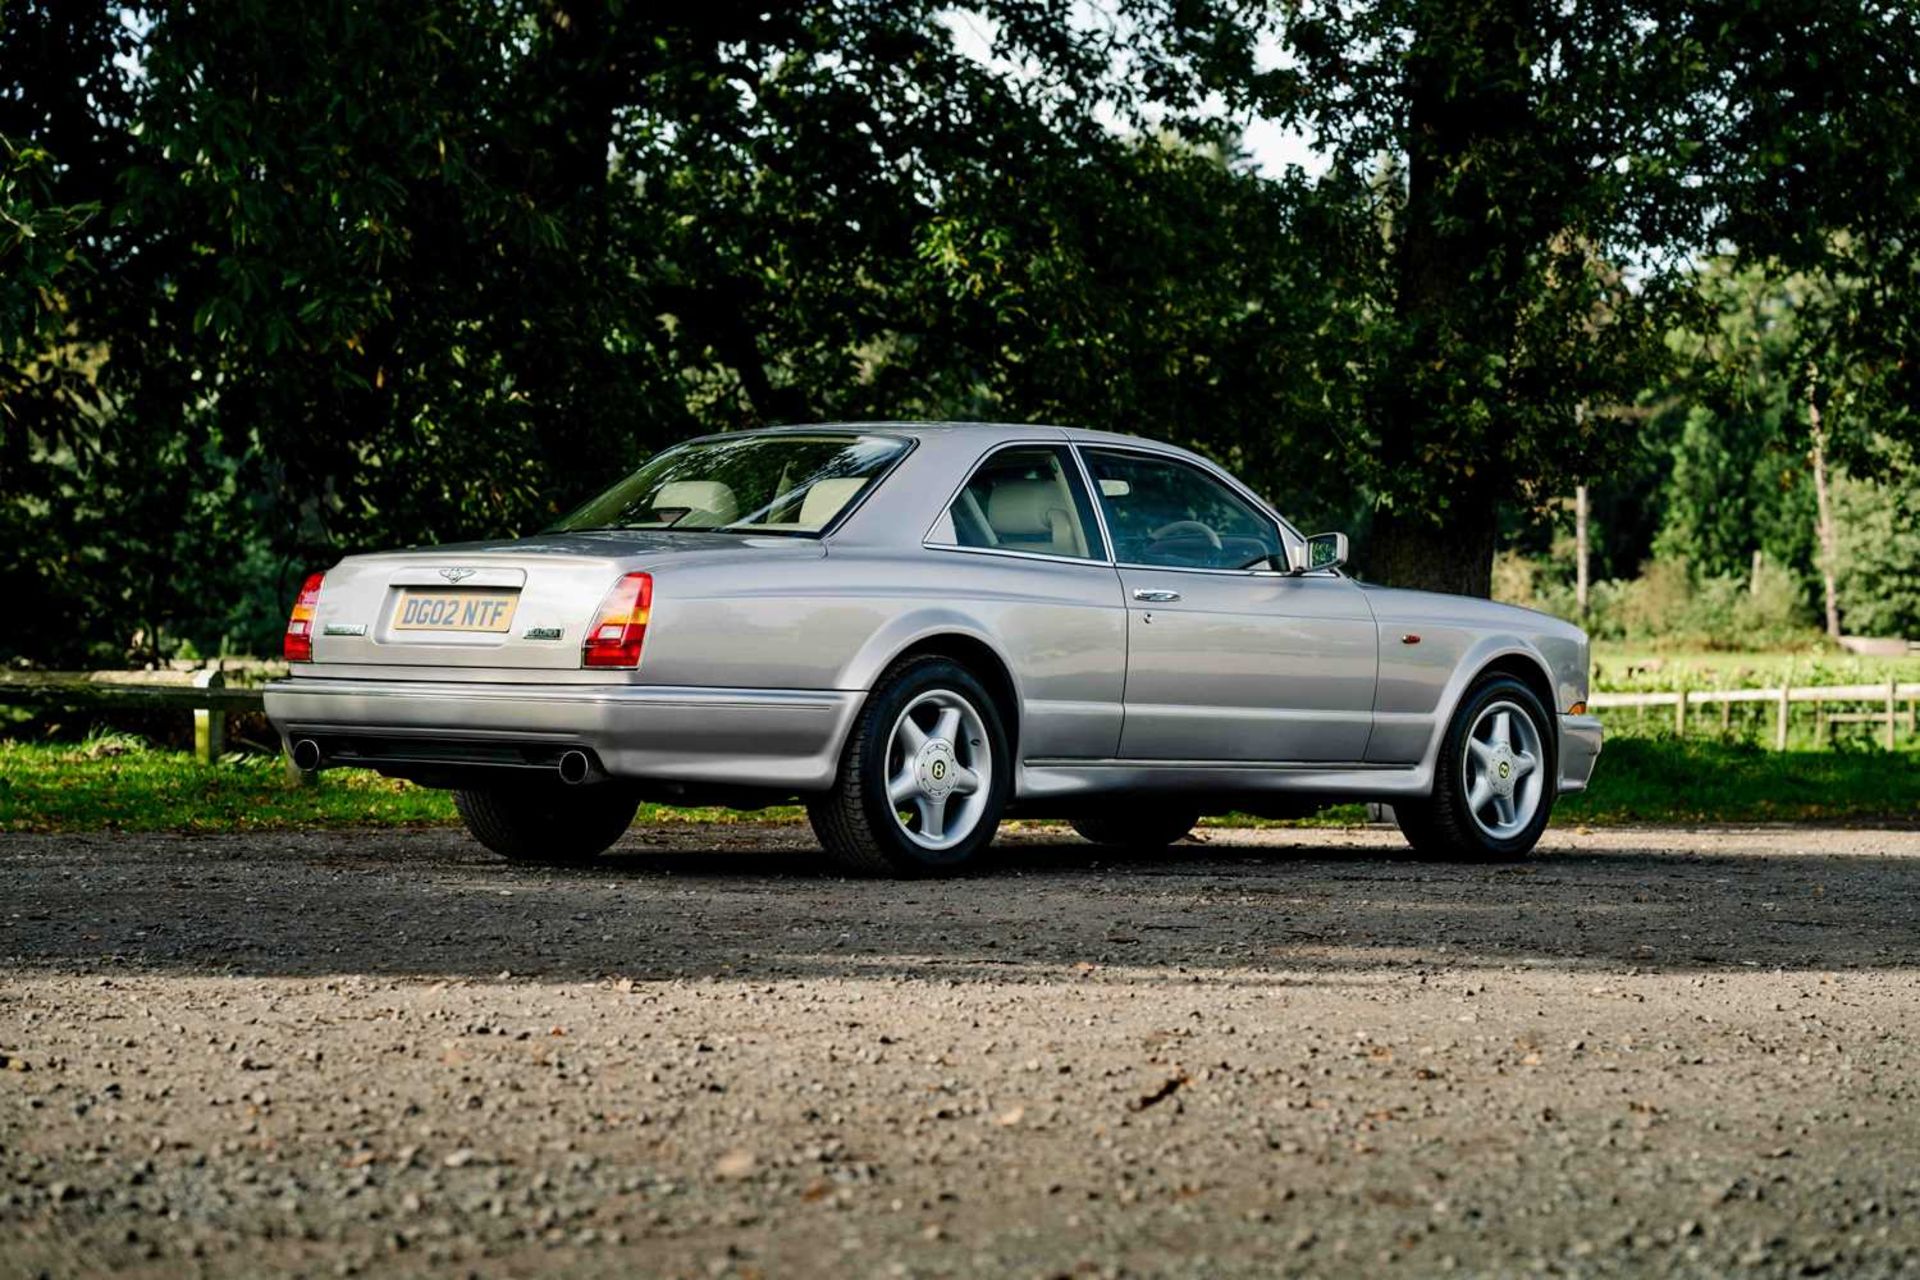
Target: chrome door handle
x=1154, y=597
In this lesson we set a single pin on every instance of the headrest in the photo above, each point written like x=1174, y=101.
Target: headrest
x=1024, y=507
x=711, y=502
x=824, y=500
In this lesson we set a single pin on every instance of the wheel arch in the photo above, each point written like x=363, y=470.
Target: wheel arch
x=1525, y=668
x=949, y=636
x=1529, y=669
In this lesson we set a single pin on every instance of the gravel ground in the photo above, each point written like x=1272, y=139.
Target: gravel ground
x=1277, y=1053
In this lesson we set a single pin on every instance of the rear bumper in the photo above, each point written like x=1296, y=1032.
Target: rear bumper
x=1579, y=749
x=782, y=739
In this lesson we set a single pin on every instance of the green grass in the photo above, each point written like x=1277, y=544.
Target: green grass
x=1622, y=668
x=117, y=783
x=1662, y=780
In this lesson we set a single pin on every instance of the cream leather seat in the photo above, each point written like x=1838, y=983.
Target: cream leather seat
x=1035, y=515
x=824, y=500
x=708, y=503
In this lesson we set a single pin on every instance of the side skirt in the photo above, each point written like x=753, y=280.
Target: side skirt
x=1044, y=780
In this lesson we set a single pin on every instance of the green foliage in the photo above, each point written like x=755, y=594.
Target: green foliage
x=1672, y=602
x=1681, y=605
x=1879, y=555
x=279, y=281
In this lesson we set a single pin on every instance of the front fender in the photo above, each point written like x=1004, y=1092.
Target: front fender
x=1481, y=654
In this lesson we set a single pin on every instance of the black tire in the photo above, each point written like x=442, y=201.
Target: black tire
x=858, y=825
x=1442, y=825
x=547, y=823
x=1141, y=830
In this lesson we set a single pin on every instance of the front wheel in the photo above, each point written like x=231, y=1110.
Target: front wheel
x=1493, y=784
x=545, y=822
x=924, y=777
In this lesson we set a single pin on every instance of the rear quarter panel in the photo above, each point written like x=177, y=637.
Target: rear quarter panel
x=1059, y=628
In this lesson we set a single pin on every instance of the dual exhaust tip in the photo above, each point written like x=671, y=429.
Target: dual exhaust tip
x=576, y=768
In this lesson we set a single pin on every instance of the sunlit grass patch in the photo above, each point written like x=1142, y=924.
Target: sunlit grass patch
x=118, y=783
x=1663, y=780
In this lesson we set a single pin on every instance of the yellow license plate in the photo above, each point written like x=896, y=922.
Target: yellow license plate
x=455, y=610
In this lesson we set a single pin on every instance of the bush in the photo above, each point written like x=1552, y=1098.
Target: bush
x=1670, y=603
x=1879, y=571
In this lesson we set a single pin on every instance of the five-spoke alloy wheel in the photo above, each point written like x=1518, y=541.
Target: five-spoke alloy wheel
x=939, y=758
x=924, y=776
x=1500, y=770
x=1493, y=784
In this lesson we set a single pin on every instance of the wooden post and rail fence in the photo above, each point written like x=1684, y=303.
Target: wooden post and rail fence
x=203, y=692
x=1888, y=715
x=206, y=694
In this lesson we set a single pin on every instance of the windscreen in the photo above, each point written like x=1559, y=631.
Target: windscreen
x=758, y=484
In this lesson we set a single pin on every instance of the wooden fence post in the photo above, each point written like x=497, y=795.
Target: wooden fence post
x=1780, y=725
x=1680, y=713
x=209, y=726
x=1893, y=690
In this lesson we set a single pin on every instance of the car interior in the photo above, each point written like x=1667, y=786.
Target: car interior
x=1019, y=500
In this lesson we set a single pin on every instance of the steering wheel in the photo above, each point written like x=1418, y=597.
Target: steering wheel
x=1179, y=527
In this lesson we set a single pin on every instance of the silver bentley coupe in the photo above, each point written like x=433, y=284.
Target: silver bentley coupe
x=918, y=629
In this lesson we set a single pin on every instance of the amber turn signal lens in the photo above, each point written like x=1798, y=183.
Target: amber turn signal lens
x=620, y=627
x=1577, y=709
x=297, y=646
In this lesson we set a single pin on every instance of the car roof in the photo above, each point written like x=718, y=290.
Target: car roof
x=900, y=509
x=985, y=431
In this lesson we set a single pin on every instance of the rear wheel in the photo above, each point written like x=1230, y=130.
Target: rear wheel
x=924, y=776
x=547, y=823
x=1142, y=831
x=1493, y=786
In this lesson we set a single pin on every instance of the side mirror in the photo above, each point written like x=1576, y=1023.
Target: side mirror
x=1321, y=551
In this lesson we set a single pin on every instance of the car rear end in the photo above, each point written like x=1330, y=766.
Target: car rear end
x=471, y=667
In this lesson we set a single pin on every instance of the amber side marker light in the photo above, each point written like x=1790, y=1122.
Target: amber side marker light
x=1577, y=709
x=297, y=646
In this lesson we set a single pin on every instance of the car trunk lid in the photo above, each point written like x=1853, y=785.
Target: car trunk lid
x=524, y=604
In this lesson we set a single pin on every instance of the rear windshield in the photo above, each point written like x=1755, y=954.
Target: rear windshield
x=779, y=484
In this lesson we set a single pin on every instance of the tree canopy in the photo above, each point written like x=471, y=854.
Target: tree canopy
x=281, y=280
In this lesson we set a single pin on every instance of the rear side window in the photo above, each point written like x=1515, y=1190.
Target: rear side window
x=1026, y=498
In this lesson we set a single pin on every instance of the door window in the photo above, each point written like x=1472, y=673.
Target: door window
x=1165, y=513
x=1026, y=498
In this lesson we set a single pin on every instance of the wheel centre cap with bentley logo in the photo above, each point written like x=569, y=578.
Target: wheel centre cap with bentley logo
x=936, y=768
x=1502, y=771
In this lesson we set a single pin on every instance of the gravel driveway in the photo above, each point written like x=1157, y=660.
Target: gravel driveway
x=1277, y=1053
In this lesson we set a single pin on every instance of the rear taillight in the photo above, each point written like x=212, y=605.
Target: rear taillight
x=620, y=626
x=298, y=645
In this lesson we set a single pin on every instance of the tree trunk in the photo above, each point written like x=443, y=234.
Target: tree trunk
x=1457, y=256
x=1823, y=526
x=1456, y=557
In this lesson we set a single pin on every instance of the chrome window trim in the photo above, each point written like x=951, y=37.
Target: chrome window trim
x=1046, y=557
x=1099, y=505
x=1106, y=545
